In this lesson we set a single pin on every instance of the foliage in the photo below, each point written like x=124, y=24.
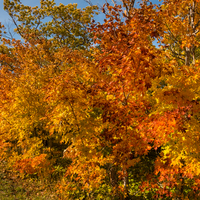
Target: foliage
x=65, y=25
x=125, y=112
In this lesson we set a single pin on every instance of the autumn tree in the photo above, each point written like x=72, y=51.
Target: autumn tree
x=121, y=101
x=150, y=93
x=26, y=70
x=180, y=92
x=181, y=25
x=66, y=24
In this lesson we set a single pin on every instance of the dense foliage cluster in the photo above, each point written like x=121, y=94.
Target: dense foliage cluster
x=100, y=108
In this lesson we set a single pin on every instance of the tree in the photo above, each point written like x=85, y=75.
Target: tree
x=182, y=38
x=26, y=70
x=67, y=27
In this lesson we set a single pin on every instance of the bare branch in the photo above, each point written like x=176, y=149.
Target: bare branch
x=89, y=2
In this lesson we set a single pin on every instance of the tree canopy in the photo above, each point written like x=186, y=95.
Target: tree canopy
x=100, y=107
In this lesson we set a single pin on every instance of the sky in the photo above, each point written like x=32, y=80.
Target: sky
x=5, y=19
